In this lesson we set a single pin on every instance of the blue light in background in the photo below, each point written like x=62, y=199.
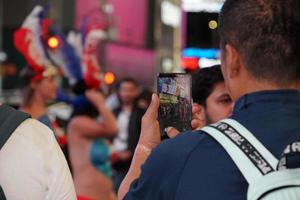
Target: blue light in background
x=201, y=53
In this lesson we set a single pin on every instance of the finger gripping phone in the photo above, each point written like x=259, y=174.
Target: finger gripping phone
x=174, y=91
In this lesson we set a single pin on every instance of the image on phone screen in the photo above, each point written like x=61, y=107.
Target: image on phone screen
x=174, y=91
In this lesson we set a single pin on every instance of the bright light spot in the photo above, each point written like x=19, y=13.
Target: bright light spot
x=167, y=64
x=190, y=63
x=213, y=24
x=53, y=42
x=205, y=62
x=109, y=78
x=3, y=56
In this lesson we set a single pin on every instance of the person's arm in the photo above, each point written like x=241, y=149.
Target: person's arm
x=149, y=139
x=108, y=118
x=89, y=127
x=140, y=156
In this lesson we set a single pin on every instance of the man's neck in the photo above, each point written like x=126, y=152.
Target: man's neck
x=256, y=86
x=36, y=107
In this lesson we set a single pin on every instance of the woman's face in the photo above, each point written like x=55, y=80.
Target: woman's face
x=47, y=88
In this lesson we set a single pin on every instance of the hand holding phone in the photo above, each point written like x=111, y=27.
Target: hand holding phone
x=174, y=91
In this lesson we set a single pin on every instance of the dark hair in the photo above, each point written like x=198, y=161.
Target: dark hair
x=204, y=82
x=79, y=87
x=146, y=94
x=127, y=80
x=26, y=75
x=88, y=108
x=266, y=34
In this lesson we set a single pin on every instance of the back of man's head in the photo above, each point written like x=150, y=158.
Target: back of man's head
x=266, y=33
x=204, y=82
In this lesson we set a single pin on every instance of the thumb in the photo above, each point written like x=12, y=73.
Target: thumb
x=153, y=107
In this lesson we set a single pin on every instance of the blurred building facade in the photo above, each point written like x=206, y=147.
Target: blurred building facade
x=144, y=37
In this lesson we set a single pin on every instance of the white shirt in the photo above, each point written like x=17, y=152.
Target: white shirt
x=112, y=101
x=32, y=165
x=120, y=142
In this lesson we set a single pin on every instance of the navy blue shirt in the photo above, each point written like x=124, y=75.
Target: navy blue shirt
x=194, y=166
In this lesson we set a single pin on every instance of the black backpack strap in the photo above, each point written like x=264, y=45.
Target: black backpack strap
x=2, y=196
x=10, y=119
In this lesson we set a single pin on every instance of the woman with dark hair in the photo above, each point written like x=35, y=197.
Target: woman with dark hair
x=89, y=150
x=88, y=135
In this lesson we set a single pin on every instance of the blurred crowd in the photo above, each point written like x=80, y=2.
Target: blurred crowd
x=99, y=136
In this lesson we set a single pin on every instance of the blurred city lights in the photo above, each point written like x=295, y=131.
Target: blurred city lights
x=167, y=64
x=3, y=56
x=201, y=53
x=109, y=78
x=205, y=62
x=190, y=63
x=213, y=24
x=211, y=6
x=53, y=42
x=170, y=14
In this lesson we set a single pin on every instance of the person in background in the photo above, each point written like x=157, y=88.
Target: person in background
x=32, y=165
x=38, y=93
x=128, y=116
x=211, y=99
x=260, y=64
x=40, y=74
x=89, y=148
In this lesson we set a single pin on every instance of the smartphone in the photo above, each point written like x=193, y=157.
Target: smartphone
x=174, y=91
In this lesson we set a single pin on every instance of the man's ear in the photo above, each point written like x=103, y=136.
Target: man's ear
x=199, y=113
x=233, y=61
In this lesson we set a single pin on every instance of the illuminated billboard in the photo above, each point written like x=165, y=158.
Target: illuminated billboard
x=212, y=6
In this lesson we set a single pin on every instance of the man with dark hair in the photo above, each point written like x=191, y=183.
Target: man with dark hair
x=128, y=116
x=260, y=56
x=266, y=36
x=212, y=101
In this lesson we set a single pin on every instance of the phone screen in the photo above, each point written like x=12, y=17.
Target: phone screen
x=174, y=91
